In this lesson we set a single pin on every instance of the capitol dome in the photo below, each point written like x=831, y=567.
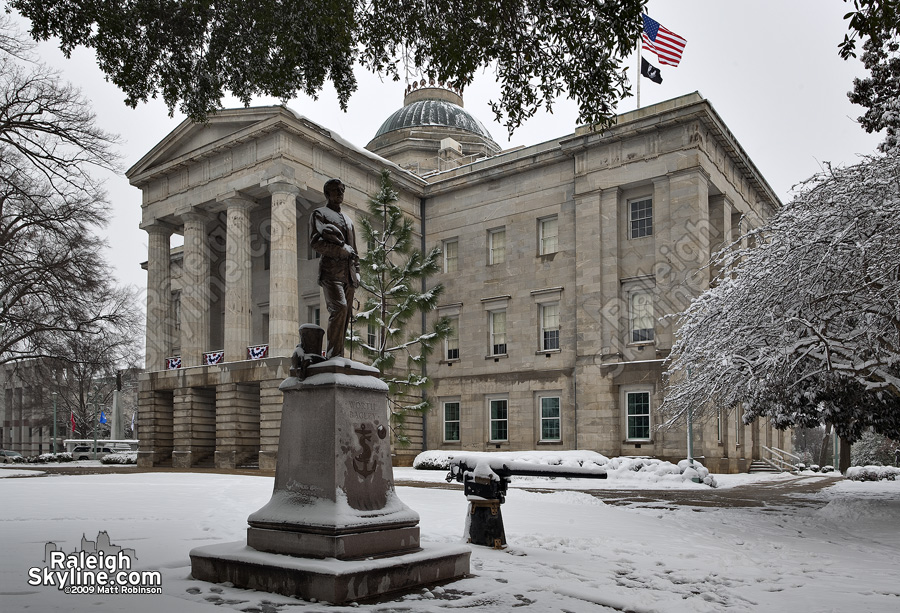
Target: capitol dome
x=432, y=132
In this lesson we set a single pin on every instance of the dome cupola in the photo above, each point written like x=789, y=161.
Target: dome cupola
x=432, y=131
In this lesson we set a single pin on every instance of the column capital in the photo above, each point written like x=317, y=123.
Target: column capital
x=159, y=228
x=607, y=192
x=195, y=215
x=281, y=185
x=236, y=200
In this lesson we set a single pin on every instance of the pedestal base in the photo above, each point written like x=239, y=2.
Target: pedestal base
x=351, y=546
x=331, y=581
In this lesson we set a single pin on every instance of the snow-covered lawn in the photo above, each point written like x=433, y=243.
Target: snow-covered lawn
x=568, y=550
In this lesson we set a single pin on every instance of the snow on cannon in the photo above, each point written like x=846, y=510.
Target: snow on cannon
x=485, y=482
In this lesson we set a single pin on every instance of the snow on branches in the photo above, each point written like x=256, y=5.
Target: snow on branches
x=393, y=275
x=805, y=327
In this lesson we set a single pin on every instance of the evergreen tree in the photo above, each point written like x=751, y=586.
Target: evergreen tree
x=393, y=274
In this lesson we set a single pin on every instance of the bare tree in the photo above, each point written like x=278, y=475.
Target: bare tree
x=54, y=283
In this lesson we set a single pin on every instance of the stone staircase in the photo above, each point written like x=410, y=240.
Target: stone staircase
x=759, y=466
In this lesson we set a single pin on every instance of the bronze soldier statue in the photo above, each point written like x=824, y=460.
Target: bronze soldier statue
x=332, y=235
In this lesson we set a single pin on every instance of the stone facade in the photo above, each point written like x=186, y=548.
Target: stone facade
x=26, y=413
x=559, y=260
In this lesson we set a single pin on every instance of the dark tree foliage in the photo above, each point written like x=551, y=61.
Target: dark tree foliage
x=877, y=22
x=191, y=52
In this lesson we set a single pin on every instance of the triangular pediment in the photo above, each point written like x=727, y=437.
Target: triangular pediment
x=191, y=138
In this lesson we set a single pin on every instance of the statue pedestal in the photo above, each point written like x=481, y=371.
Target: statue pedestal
x=333, y=498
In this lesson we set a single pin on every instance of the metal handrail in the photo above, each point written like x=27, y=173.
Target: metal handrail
x=777, y=460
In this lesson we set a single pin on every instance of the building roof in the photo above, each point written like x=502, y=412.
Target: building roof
x=431, y=112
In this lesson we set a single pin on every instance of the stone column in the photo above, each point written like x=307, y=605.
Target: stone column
x=159, y=297
x=284, y=319
x=237, y=279
x=614, y=313
x=195, y=292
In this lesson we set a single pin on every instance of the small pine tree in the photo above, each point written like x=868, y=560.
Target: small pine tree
x=392, y=274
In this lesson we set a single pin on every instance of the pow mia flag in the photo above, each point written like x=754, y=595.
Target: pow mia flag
x=650, y=71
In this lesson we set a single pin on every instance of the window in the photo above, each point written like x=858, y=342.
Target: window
x=372, y=335
x=638, y=407
x=547, y=235
x=550, y=430
x=549, y=327
x=176, y=310
x=641, y=312
x=498, y=332
x=640, y=217
x=451, y=343
x=313, y=315
x=451, y=255
x=497, y=246
x=451, y=421
x=499, y=419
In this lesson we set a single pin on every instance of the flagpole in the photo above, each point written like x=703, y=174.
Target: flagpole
x=638, y=73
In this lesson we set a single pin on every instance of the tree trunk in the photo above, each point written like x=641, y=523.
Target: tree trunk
x=845, y=455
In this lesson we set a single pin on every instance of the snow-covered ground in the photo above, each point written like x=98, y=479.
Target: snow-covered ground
x=568, y=550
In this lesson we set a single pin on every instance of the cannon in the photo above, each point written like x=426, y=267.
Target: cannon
x=485, y=482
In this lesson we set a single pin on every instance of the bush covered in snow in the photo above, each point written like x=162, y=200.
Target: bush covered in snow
x=440, y=460
x=433, y=460
x=48, y=458
x=872, y=473
x=638, y=468
x=120, y=458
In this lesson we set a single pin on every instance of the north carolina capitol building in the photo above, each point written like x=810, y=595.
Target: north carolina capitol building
x=560, y=261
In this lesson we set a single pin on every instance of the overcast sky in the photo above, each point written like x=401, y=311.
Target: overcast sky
x=769, y=67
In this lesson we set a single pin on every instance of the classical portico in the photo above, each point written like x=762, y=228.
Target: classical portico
x=223, y=309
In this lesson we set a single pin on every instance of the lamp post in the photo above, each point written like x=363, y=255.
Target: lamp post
x=690, y=430
x=96, y=418
x=54, y=422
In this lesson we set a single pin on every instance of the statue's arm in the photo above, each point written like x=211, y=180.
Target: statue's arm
x=319, y=240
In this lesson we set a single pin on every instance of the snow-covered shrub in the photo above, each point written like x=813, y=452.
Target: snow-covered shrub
x=440, y=460
x=120, y=458
x=432, y=460
x=872, y=473
x=828, y=468
x=47, y=458
x=653, y=470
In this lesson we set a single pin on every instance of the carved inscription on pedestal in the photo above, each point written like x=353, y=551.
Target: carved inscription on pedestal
x=366, y=450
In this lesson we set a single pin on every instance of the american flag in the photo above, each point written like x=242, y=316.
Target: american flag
x=667, y=45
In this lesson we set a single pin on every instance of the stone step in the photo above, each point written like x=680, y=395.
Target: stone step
x=758, y=466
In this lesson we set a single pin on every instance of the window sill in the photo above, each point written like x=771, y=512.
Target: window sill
x=638, y=441
x=641, y=344
x=496, y=357
x=449, y=362
x=550, y=442
x=547, y=257
x=547, y=352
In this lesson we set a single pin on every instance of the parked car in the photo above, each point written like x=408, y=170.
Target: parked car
x=86, y=452
x=7, y=456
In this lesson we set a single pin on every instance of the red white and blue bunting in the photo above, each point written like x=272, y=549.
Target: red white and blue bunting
x=258, y=352
x=211, y=358
x=173, y=362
